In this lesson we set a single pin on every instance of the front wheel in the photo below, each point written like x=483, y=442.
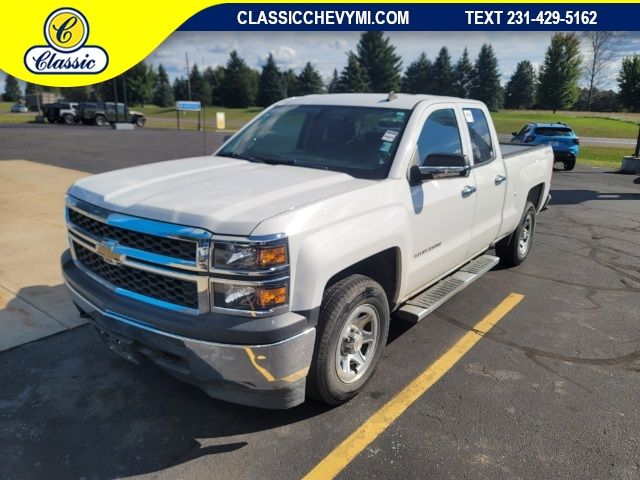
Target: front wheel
x=140, y=122
x=101, y=121
x=68, y=119
x=514, y=249
x=352, y=331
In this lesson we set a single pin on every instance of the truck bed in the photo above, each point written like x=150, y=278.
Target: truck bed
x=513, y=149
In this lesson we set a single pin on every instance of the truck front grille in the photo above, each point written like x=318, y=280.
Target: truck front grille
x=167, y=289
x=170, y=247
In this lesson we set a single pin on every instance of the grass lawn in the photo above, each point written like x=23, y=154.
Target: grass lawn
x=603, y=156
x=586, y=124
x=159, y=117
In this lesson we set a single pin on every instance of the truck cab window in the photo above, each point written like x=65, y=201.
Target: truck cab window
x=480, y=135
x=440, y=134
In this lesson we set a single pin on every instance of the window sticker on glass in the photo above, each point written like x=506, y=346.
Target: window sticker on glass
x=389, y=136
x=468, y=115
x=385, y=147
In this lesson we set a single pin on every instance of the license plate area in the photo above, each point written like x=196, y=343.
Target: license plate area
x=125, y=347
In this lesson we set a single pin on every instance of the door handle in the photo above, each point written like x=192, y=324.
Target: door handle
x=468, y=190
x=500, y=179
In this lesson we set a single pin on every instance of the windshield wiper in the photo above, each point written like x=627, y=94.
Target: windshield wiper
x=248, y=158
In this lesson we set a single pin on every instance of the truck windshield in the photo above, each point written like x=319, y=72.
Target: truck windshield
x=359, y=141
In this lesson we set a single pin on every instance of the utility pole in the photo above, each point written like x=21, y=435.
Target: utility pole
x=186, y=56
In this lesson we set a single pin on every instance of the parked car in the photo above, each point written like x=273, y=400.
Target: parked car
x=270, y=269
x=560, y=136
x=101, y=114
x=19, y=108
x=61, y=112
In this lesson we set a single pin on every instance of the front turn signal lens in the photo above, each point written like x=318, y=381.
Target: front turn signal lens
x=272, y=297
x=272, y=256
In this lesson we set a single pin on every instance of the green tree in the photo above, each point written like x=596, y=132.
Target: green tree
x=270, y=87
x=77, y=94
x=162, y=92
x=30, y=89
x=559, y=75
x=521, y=88
x=463, y=76
x=381, y=65
x=12, y=91
x=140, y=80
x=419, y=76
x=486, y=78
x=195, y=78
x=289, y=83
x=353, y=77
x=443, y=73
x=629, y=82
x=334, y=83
x=214, y=77
x=181, y=89
x=238, y=85
x=309, y=81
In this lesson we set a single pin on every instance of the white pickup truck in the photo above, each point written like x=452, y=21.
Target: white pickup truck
x=272, y=269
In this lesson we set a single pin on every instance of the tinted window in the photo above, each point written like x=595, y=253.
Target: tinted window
x=554, y=131
x=360, y=141
x=480, y=135
x=440, y=134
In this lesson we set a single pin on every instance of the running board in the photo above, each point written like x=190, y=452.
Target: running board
x=426, y=302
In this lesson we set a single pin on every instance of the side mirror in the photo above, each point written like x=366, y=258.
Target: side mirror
x=225, y=138
x=438, y=166
x=515, y=134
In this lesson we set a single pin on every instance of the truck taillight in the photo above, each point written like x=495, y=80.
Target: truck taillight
x=530, y=138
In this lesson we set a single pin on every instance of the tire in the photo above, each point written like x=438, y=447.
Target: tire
x=139, y=122
x=570, y=163
x=356, y=301
x=68, y=119
x=511, y=250
x=100, y=120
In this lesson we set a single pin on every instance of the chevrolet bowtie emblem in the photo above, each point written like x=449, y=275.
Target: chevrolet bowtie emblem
x=108, y=255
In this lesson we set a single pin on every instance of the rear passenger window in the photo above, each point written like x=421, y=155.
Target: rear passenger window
x=480, y=135
x=440, y=134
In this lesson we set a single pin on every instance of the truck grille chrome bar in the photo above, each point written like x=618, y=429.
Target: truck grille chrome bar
x=155, y=262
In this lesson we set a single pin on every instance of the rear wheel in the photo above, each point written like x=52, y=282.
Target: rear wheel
x=68, y=119
x=570, y=163
x=514, y=249
x=352, y=332
x=101, y=121
x=139, y=122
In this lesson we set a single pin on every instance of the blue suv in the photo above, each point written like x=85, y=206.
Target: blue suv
x=560, y=136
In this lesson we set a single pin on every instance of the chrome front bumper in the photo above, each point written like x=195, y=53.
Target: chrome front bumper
x=266, y=376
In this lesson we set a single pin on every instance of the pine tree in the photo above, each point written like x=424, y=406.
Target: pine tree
x=443, y=73
x=289, y=83
x=139, y=80
x=521, y=88
x=486, y=78
x=181, y=89
x=381, y=65
x=334, y=84
x=214, y=77
x=12, y=92
x=419, y=76
x=629, y=82
x=559, y=75
x=195, y=78
x=463, y=76
x=309, y=81
x=30, y=89
x=238, y=87
x=353, y=77
x=162, y=92
x=270, y=88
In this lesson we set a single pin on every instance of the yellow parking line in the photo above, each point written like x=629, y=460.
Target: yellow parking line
x=355, y=443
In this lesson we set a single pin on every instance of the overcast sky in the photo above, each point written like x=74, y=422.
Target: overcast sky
x=327, y=50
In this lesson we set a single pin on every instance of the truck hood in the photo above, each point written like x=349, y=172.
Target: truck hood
x=222, y=195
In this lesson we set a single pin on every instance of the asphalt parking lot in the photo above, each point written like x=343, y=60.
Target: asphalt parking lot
x=551, y=391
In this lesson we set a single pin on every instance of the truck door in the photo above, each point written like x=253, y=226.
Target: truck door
x=442, y=208
x=490, y=178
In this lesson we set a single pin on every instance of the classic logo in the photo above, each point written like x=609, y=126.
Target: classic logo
x=108, y=255
x=66, y=31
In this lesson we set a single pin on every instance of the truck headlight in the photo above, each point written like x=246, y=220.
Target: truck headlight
x=249, y=256
x=249, y=297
